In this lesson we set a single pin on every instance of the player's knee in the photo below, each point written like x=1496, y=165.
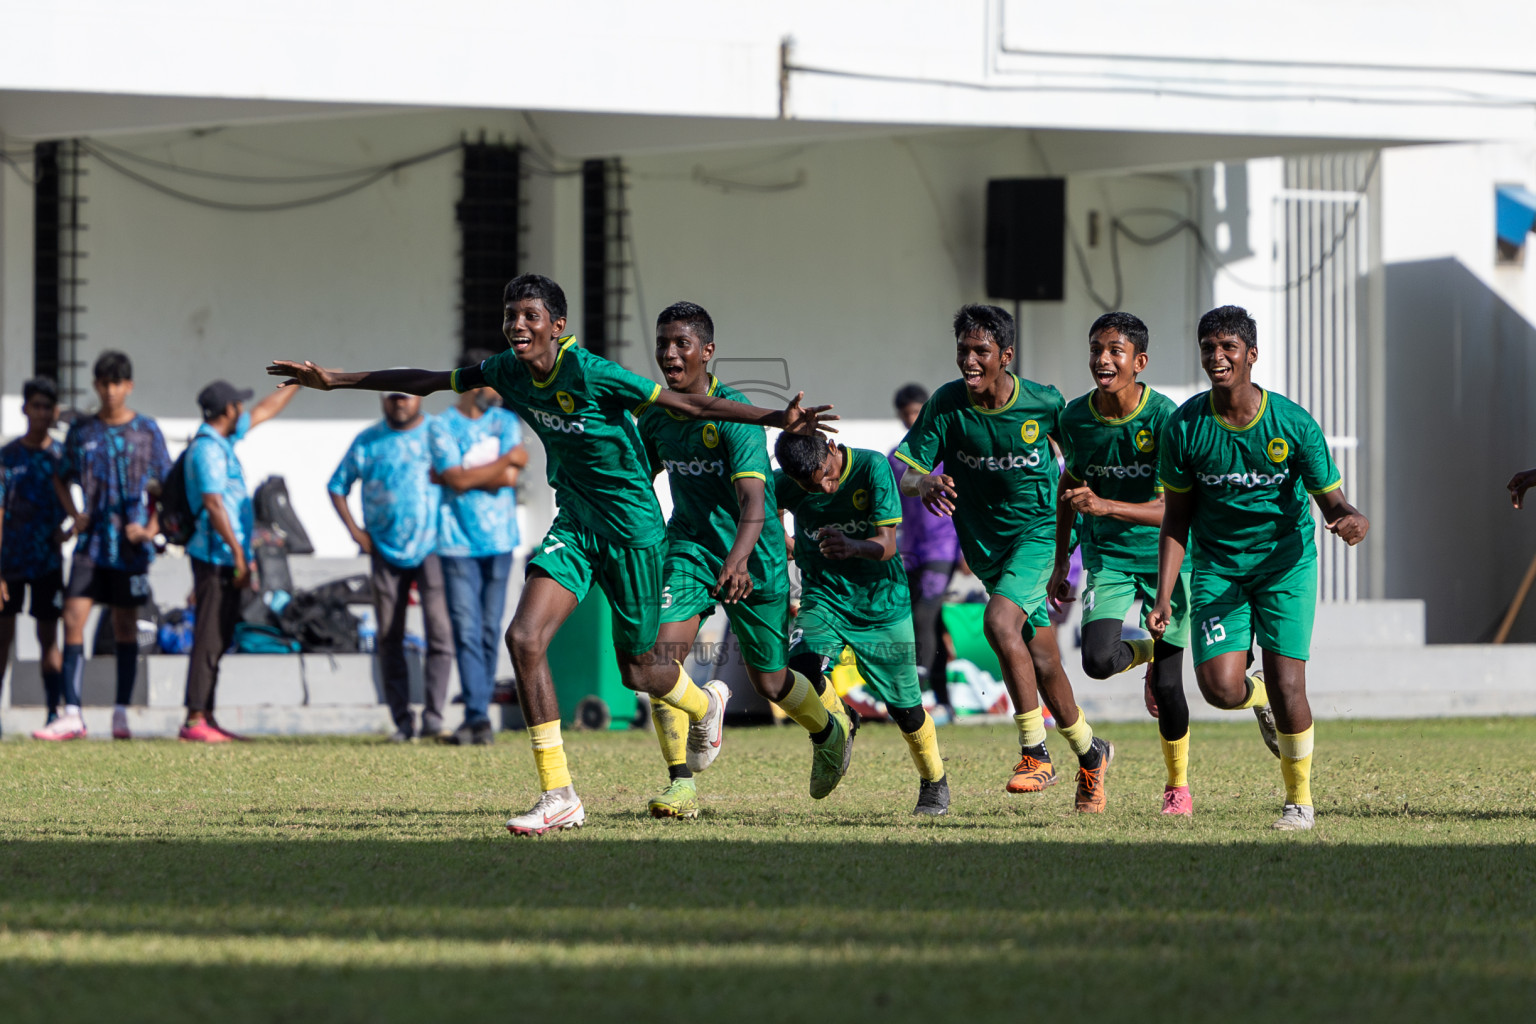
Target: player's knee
x=523, y=642
x=1002, y=630
x=908, y=719
x=1220, y=691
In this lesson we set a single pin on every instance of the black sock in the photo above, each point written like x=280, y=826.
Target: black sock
x=678, y=771
x=1038, y=752
x=820, y=736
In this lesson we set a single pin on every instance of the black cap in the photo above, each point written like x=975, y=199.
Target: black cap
x=216, y=397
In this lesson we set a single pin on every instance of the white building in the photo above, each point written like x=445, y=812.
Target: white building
x=815, y=174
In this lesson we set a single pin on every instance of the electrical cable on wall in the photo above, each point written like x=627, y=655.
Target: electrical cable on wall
x=371, y=176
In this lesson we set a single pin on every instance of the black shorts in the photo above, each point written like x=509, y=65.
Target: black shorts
x=47, y=595
x=115, y=588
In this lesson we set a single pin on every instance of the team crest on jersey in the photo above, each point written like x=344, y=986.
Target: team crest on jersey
x=1145, y=442
x=566, y=401
x=711, y=435
x=1030, y=431
x=861, y=499
x=1278, y=450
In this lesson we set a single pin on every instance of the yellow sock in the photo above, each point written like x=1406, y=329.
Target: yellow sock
x=1079, y=734
x=1031, y=725
x=1258, y=696
x=1176, y=757
x=1296, y=766
x=687, y=697
x=924, y=745
x=672, y=731
x=803, y=705
x=1141, y=652
x=549, y=755
x=830, y=699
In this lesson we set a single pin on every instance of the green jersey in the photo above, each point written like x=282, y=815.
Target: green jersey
x=1002, y=465
x=582, y=412
x=703, y=460
x=863, y=591
x=1117, y=458
x=1252, y=515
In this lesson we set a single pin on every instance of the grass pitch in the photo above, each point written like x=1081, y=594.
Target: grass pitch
x=344, y=880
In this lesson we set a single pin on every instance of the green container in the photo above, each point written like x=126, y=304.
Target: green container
x=586, y=674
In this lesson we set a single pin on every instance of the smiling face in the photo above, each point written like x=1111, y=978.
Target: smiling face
x=1114, y=361
x=981, y=362
x=1228, y=360
x=682, y=358
x=529, y=328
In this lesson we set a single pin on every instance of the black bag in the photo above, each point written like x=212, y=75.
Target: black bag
x=272, y=570
x=178, y=521
x=274, y=511
x=321, y=624
x=348, y=590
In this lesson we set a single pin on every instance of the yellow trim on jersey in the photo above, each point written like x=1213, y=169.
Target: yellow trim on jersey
x=1331, y=487
x=913, y=464
x=1146, y=395
x=847, y=463
x=453, y=382
x=888, y=522
x=1263, y=405
x=749, y=474
x=1017, y=387
x=1177, y=490
x=655, y=394
x=713, y=384
x=565, y=343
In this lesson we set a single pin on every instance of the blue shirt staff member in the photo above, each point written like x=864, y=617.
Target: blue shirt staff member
x=477, y=451
x=399, y=533
x=220, y=548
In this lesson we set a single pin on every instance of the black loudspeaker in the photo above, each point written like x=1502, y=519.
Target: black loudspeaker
x=1026, y=238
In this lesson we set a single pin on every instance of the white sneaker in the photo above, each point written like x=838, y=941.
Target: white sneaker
x=705, y=735
x=554, y=810
x=1295, y=818
x=120, y=724
x=65, y=727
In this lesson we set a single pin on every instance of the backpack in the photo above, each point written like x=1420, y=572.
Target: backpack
x=321, y=624
x=251, y=639
x=177, y=520
x=275, y=511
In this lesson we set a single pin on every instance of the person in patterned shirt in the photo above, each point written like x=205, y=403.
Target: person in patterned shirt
x=115, y=457
x=477, y=452
x=399, y=534
x=30, y=559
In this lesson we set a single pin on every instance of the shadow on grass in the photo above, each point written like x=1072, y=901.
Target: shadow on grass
x=579, y=927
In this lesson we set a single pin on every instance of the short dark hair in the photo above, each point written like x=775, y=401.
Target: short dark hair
x=40, y=386
x=690, y=314
x=536, y=286
x=800, y=455
x=910, y=394
x=1233, y=320
x=113, y=366
x=993, y=320
x=474, y=356
x=1127, y=324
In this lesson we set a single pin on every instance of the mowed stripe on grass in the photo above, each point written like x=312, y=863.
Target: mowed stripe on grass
x=351, y=880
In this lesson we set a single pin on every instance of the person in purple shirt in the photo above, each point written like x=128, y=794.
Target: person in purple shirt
x=930, y=552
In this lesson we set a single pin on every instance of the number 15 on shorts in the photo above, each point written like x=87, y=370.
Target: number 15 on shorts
x=1214, y=631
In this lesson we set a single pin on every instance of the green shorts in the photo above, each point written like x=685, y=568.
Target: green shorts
x=760, y=623
x=1227, y=612
x=575, y=557
x=1110, y=593
x=1023, y=578
x=887, y=655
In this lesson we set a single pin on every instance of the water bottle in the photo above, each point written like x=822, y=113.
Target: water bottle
x=367, y=632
